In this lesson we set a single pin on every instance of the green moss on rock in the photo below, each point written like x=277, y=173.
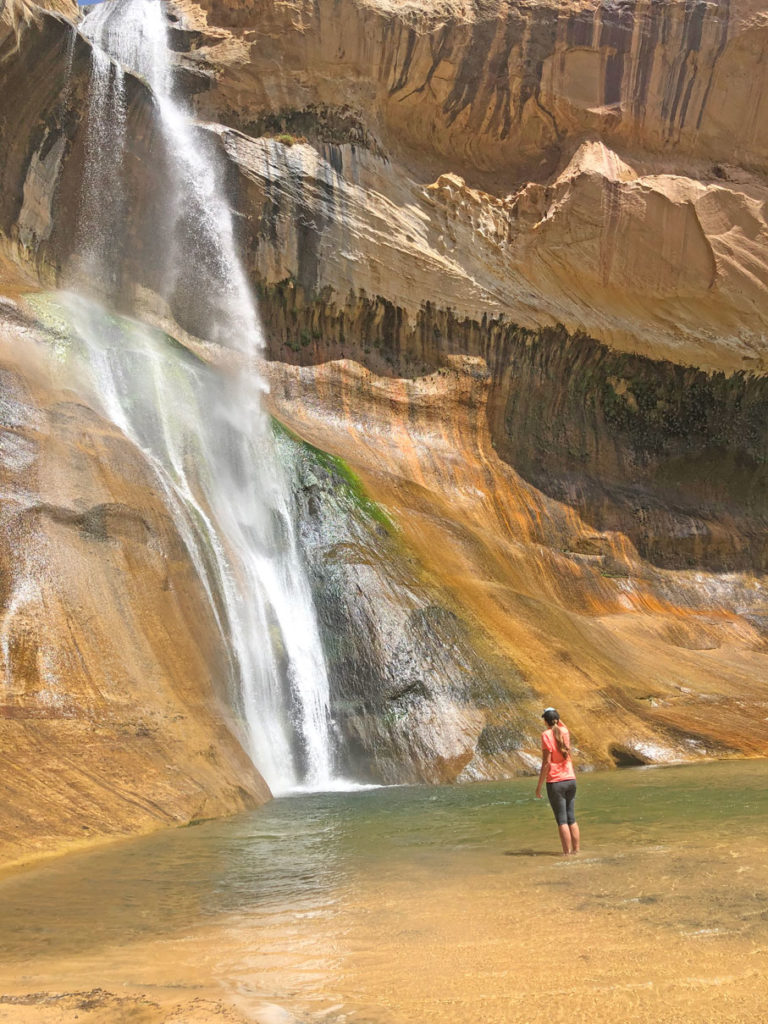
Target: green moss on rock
x=354, y=485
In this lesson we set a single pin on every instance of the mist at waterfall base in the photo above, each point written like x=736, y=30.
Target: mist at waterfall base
x=201, y=424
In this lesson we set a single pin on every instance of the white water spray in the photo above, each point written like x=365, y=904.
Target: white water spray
x=207, y=432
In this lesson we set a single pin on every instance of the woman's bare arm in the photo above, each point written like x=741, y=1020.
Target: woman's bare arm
x=546, y=756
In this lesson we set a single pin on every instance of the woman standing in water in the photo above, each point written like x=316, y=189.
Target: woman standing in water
x=557, y=771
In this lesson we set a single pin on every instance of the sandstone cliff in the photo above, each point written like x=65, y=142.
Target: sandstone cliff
x=574, y=198
x=512, y=264
x=547, y=135
x=114, y=713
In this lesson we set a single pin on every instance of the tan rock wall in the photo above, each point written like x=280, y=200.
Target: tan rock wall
x=647, y=663
x=646, y=262
x=485, y=197
x=113, y=692
x=614, y=246
x=597, y=167
x=499, y=90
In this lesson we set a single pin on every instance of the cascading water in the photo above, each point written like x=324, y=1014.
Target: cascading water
x=101, y=205
x=205, y=429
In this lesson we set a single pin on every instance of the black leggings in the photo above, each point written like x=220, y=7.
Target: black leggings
x=562, y=796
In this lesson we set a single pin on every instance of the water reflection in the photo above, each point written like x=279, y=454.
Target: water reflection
x=165, y=884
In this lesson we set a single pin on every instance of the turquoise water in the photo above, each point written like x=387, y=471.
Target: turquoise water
x=325, y=900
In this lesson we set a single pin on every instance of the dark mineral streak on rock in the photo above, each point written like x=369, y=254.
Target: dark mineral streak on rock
x=616, y=30
x=318, y=123
x=35, y=120
x=469, y=76
x=405, y=67
x=28, y=115
x=311, y=220
x=440, y=49
x=649, y=29
x=725, y=7
x=579, y=29
x=666, y=454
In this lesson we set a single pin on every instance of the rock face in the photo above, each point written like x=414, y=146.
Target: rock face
x=667, y=454
x=647, y=664
x=667, y=266
x=417, y=693
x=497, y=89
x=574, y=199
x=623, y=150
x=113, y=707
x=512, y=263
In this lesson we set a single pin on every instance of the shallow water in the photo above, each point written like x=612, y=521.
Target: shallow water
x=425, y=905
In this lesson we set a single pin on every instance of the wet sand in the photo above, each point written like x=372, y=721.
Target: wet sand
x=413, y=905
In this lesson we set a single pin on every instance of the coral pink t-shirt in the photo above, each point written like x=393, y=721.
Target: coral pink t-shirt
x=560, y=768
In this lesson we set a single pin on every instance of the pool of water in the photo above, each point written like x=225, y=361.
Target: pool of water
x=416, y=904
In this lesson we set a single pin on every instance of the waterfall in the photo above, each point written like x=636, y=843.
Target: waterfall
x=101, y=202
x=204, y=428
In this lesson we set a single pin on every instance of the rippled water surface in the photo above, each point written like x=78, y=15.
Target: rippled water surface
x=427, y=905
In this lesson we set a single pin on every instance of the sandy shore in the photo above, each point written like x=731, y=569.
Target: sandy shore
x=101, y=1007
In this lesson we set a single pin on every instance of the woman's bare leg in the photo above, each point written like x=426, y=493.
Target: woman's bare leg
x=575, y=838
x=565, y=837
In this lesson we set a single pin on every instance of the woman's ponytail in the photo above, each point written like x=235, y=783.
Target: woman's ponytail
x=562, y=746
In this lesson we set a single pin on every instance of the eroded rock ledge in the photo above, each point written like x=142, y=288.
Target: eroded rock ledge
x=641, y=260
x=650, y=664
x=498, y=92
x=670, y=456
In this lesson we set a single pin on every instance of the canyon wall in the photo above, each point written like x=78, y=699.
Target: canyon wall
x=116, y=710
x=561, y=212
x=491, y=88
x=568, y=205
x=511, y=262
x=667, y=155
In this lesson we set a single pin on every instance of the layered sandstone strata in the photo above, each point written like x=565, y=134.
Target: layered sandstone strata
x=591, y=166
x=115, y=713
x=341, y=247
x=512, y=264
x=575, y=200
x=641, y=234
x=498, y=89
